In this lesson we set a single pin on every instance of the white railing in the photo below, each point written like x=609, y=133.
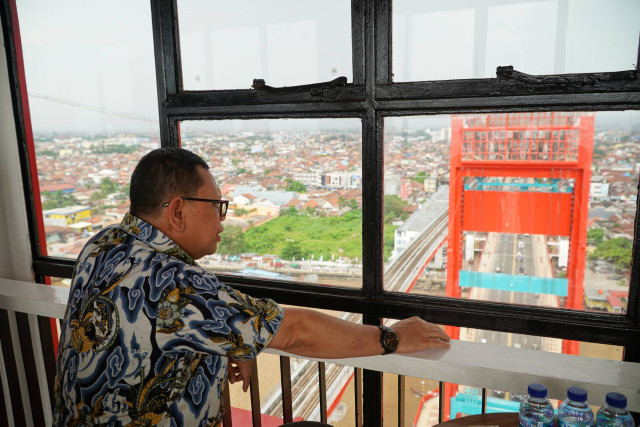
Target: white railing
x=472, y=364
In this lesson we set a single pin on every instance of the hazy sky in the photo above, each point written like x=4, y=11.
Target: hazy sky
x=82, y=55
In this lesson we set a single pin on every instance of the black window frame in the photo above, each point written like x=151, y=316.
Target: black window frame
x=371, y=97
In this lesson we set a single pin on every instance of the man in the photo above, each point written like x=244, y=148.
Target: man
x=147, y=333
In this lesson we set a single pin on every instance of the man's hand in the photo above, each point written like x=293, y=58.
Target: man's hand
x=415, y=334
x=240, y=370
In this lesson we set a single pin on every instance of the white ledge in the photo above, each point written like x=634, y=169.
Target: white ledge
x=509, y=369
x=473, y=364
x=33, y=298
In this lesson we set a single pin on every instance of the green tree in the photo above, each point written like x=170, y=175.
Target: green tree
x=296, y=186
x=420, y=177
x=342, y=202
x=292, y=250
x=232, y=242
x=241, y=211
x=353, y=203
x=616, y=250
x=50, y=153
x=59, y=200
x=595, y=236
x=291, y=210
x=393, y=206
x=117, y=148
x=96, y=196
x=108, y=186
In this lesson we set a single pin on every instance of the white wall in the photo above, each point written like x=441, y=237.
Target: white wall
x=15, y=252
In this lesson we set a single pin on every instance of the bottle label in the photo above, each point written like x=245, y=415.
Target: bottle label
x=525, y=422
x=575, y=418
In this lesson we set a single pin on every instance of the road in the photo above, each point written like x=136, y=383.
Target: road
x=514, y=254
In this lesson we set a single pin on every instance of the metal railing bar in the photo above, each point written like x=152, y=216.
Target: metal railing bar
x=441, y=401
x=401, y=399
x=255, y=396
x=484, y=400
x=285, y=382
x=322, y=378
x=226, y=401
x=357, y=378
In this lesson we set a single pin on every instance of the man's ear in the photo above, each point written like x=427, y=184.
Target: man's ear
x=176, y=215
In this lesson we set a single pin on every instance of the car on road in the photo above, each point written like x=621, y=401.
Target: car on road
x=497, y=393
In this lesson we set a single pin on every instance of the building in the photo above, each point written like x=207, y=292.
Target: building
x=420, y=220
x=66, y=216
x=599, y=188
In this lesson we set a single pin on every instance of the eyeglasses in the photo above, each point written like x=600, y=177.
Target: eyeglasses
x=224, y=204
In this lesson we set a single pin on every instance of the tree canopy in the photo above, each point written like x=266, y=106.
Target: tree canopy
x=296, y=186
x=232, y=242
x=393, y=206
x=59, y=199
x=616, y=250
x=595, y=236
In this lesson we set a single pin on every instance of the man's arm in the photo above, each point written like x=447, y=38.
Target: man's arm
x=314, y=334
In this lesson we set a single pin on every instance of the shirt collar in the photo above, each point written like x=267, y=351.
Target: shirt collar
x=155, y=238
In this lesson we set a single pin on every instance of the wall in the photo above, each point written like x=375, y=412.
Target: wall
x=15, y=252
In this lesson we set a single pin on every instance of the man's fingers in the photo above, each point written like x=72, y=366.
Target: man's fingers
x=440, y=334
x=436, y=343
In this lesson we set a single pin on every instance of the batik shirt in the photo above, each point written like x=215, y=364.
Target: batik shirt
x=147, y=333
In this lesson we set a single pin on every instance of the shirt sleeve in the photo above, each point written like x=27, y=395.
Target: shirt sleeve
x=198, y=313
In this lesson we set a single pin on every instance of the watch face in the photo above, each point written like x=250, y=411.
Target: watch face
x=388, y=339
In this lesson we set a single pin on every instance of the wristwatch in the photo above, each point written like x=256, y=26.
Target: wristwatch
x=388, y=339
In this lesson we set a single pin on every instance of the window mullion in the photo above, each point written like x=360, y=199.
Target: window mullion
x=167, y=56
x=358, y=40
x=383, y=27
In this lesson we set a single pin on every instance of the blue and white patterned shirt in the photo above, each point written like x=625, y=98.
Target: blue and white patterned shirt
x=147, y=333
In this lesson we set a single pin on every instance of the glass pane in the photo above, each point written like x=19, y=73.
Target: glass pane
x=93, y=110
x=421, y=403
x=295, y=191
x=225, y=45
x=522, y=208
x=442, y=40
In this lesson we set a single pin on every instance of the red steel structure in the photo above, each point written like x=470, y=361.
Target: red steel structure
x=514, y=147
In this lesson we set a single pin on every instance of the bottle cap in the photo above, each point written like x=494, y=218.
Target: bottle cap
x=577, y=394
x=616, y=400
x=537, y=390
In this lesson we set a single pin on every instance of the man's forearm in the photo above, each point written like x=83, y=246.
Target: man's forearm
x=314, y=334
x=311, y=333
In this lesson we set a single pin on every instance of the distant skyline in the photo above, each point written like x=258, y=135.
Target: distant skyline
x=84, y=77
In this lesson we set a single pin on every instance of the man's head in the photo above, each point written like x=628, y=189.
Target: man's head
x=161, y=175
x=159, y=185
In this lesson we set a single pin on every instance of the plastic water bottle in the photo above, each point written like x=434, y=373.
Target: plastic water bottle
x=614, y=412
x=575, y=411
x=535, y=409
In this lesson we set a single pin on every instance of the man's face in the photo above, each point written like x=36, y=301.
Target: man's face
x=204, y=224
